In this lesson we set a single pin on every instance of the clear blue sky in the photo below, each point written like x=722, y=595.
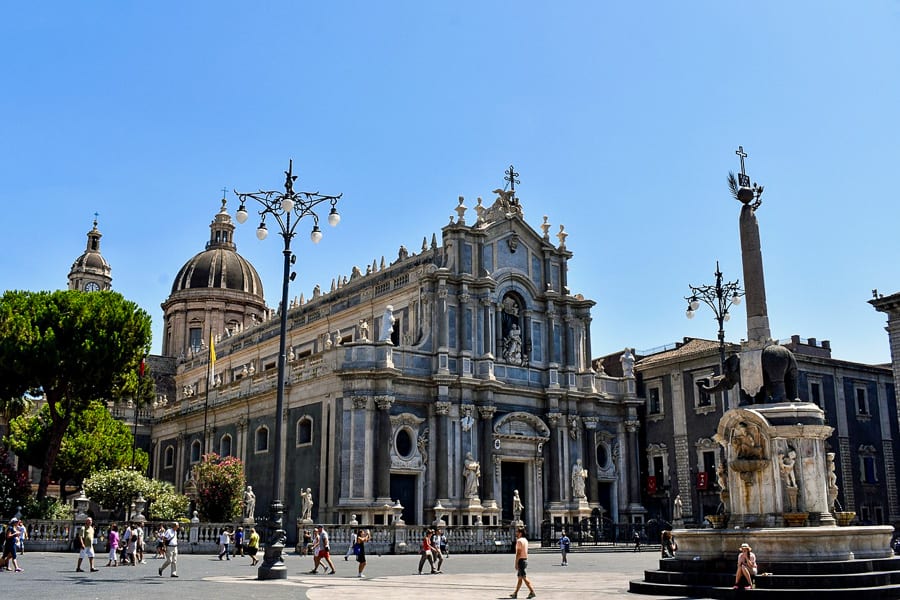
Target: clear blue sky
x=621, y=118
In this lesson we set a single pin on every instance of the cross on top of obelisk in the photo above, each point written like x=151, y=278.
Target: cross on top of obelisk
x=510, y=178
x=743, y=178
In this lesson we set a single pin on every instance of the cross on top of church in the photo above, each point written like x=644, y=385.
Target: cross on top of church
x=224, y=191
x=511, y=179
x=743, y=178
x=96, y=214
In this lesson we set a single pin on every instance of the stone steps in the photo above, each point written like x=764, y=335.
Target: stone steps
x=717, y=592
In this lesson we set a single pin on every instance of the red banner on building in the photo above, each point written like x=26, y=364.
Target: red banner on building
x=651, y=484
x=702, y=480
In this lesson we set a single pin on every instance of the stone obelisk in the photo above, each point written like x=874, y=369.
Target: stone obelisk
x=758, y=333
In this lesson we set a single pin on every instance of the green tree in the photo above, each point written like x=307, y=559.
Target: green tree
x=94, y=441
x=72, y=346
x=220, y=487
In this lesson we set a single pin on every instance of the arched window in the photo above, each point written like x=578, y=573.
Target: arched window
x=169, y=460
x=262, y=439
x=195, y=451
x=225, y=445
x=304, y=431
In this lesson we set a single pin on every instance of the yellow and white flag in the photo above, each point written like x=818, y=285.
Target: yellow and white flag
x=212, y=360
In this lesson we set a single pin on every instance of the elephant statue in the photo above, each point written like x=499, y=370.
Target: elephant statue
x=779, y=370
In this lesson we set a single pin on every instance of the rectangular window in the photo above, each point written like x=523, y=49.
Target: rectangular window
x=658, y=471
x=862, y=405
x=703, y=398
x=709, y=464
x=196, y=338
x=815, y=392
x=869, y=466
x=654, y=406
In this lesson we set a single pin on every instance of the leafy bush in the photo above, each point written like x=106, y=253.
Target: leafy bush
x=220, y=487
x=165, y=504
x=115, y=489
x=48, y=508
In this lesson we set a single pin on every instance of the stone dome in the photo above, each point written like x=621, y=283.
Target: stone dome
x=219, y=266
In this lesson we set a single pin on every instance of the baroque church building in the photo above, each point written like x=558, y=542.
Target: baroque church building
x=448, y=382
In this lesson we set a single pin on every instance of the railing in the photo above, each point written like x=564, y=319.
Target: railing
x=203, y=538
x=592, y=532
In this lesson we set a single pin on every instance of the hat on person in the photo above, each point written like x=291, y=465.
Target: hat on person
x=13, y=521
x=745, y=545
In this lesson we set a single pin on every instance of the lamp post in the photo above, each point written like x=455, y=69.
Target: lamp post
x=287, y=209
x=720, y=298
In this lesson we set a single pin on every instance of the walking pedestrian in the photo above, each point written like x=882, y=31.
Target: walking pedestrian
x=112, y=541
x=160, y=542
x=22, y=533
x=84, y=542
x=426, y=552
x=224, y=540
x=238, y=542
x=10, y=544
x=522, y=564
x=322, y=551
x=636, y=538
x=436, y=549
x=351, y=549
x=139, y=546
x=253, y=546
x=170, y=538
x=564, y=545
x=362, y=536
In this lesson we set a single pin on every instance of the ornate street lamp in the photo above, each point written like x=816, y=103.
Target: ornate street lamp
x=720, y=298
x=287, y=209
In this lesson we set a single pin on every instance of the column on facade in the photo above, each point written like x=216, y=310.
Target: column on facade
x=526, y=334
x=179, y=462
x=488, y=332
x=442, y=453
x=551, y=338
x=466, y=326
x=240, y=444
x=590, y=451
x=487, y=451
x=556, y=438
x=632, y=471
x=887, y=452
x=383, y=447
x=443, y=318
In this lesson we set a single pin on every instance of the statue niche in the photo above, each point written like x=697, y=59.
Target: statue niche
x=512, y=345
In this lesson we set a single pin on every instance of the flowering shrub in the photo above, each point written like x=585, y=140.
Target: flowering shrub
x=220, y=486
x=14, y=487
x=165, y=504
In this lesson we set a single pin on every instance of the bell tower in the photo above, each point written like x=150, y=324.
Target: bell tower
x=90, y=272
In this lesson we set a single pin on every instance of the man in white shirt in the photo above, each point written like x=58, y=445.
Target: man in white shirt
x=224, y=540
x=170, y=539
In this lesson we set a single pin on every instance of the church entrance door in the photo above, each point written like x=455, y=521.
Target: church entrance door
x=512, y=477
x=403, y=488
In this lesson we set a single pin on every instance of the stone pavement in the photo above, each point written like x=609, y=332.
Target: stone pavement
x=601, y=575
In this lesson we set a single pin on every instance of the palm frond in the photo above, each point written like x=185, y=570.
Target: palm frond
x=733, y=184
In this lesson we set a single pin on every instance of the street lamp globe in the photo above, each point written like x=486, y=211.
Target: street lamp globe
x=316, y=234
x=736, y=299
x=287, y=204
x=334, y=217
x=261, y=231
x=689, y=313
x=241, y=214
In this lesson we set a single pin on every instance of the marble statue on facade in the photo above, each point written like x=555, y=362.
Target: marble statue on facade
x=387, y=324
x=512, y=345
x=832, y=481
x=627, y=360
x=579, y=474
x=678, y=508
x=787, y=468
x=306, y=504
x=471, y=474
x=249, y=503
x=517, y=506
x=363, y=330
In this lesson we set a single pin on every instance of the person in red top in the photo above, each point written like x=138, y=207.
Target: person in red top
x=427, y=552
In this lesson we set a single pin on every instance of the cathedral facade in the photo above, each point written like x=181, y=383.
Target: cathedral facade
x=455, y=383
